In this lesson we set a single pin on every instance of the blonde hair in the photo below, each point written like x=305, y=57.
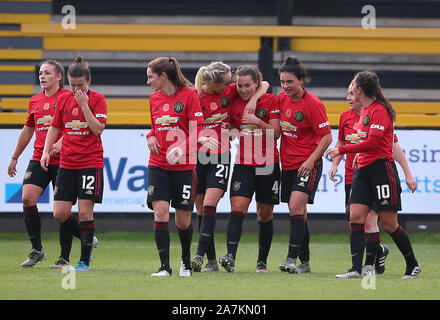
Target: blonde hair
x=215, y=71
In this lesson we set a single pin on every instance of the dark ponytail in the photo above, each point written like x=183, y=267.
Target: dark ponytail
x=369, y=82
x=79, y=68
x=293, y=66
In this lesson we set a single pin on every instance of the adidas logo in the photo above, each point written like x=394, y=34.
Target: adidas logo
x=89, y=192
x=301, y=184
x=184, y=202
x=222, y=181
x=384, y=203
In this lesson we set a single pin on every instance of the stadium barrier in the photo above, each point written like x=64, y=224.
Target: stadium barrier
x=233, y=38
x=136, y=112
x=125, y=171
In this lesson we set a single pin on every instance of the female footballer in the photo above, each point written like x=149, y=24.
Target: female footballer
x=176, y=119
x=81, y=117
x=256, y=168
x=305, y=135
x=376, y=183
x=41, y=110
x=213, y=85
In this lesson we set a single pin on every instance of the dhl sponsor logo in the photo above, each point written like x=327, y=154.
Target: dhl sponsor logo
x=285, y=125
x=166, y=120
x=356, y=137
x=76, y=125
x=45, y=120
x=218, y=117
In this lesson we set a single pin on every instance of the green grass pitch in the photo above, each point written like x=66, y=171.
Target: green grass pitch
x=123, y=262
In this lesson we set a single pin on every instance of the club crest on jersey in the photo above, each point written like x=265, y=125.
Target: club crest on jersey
x=178, y=107
x=76, y=125
x=224, y=102
x=75, y=112
x=46, y=106
x=261, y=113
x=299, y=116
x=366, y=120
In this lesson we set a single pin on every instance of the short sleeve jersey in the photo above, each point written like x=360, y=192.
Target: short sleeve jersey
x=253, y=148
x=81, y=147
x=375, y=120
x=40, y=115
x=216, y=109
x=348, y=134
x=303, y=122
x=176, y=120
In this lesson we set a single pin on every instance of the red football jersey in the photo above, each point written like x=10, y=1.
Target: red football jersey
x=303, y=123
x=375, y=121
x=81, y=148
x=216, y=109
x=348, y=134
x=40, y=114
x=253, y=143
x=176, y=120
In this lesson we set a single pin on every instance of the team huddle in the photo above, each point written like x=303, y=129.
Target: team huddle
x=190, y=160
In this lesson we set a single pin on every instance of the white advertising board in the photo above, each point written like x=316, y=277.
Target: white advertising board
x=126, y=166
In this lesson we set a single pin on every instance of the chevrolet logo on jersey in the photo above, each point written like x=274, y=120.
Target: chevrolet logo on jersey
x=218, y=117
x=249, y=127
x=285, y=125
x=45, y=120
x=76, y=125
x=166, y=120
x=355, y=137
